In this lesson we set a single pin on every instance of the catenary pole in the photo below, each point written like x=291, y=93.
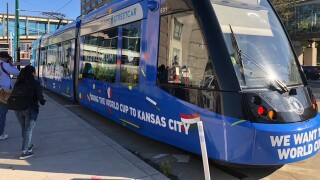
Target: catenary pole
x=7, y=22
x=17, y=33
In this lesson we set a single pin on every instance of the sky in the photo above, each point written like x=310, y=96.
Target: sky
x=71, y=8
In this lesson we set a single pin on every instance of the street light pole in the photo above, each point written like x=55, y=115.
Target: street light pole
x=17, y=32
x=7, y=22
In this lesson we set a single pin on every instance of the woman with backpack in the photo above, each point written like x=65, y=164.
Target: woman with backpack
x=25, y=98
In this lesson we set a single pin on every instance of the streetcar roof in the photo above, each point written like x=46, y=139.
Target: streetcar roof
x=67, y=27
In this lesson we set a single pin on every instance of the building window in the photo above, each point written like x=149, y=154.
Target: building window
x=177, y=30
x=23, y=29
x=53, y=27
x=1, y=27
x=175, y=55
x=25, y=47
x=32, y=28
x=11, y=26
x=42, y=27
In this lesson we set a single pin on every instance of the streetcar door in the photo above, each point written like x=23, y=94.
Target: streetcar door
x=75, y=70
x=88, y=51
x=98, y=68
x=106, y=71
x=130, y=73
x=75, y=64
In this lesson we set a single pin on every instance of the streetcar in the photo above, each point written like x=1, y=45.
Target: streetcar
x=159, y=66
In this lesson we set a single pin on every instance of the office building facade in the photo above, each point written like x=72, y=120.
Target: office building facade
x=304, y=30
x=90, y=5
x=31, y=28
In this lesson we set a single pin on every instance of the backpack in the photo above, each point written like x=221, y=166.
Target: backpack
x=21, y=97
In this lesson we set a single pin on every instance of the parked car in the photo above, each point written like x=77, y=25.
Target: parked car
x=311, y=72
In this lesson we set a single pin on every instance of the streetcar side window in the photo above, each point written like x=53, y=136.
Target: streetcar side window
x=66, y=59
x=58, y=70
x=89, y=67
x=53, y=59
x=130, y=55
x=34, y=57
x=107, y=55
x=100, y=55
x=56, y=60
x=67, y=54
x=183, y=56
x=43, y=61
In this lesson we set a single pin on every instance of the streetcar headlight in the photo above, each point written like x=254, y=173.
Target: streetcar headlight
x=256, y=100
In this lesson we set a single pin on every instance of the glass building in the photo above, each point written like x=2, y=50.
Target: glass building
x=304, y=30
x=31, y=28
x=306, y=18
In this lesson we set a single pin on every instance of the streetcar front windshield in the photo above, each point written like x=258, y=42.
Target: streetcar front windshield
x=257, y=44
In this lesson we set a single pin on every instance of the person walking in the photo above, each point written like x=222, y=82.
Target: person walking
x=27, y=118
x=7, y=69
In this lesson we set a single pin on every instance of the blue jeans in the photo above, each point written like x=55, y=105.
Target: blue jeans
x=27, y=120
x=3, y=114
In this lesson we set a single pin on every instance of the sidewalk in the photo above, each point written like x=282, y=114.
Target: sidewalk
x=66, y=147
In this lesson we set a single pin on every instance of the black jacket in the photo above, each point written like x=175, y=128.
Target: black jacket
x=31, y=89
x=37, y=96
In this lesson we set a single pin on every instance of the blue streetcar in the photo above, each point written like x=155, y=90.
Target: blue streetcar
x=157, y=66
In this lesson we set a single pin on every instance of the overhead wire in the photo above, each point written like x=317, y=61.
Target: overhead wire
x=64, y=6
x=45, y=8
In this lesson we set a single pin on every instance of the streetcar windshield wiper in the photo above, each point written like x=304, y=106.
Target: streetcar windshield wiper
x=282, y=85
x=239, y=55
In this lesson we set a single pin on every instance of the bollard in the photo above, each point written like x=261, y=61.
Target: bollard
x=203, y=151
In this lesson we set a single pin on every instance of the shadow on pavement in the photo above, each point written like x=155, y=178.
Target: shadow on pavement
x=66, y=147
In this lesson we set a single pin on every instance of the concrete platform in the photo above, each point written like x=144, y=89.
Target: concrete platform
x=66, y=147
